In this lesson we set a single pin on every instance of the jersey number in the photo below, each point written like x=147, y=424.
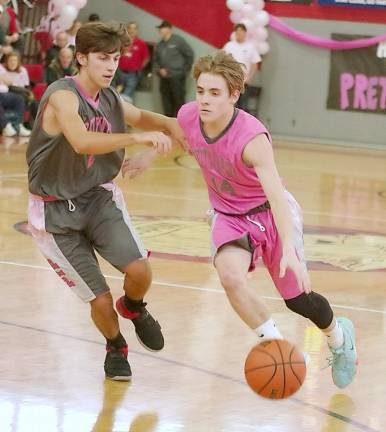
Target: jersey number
x=223, y=186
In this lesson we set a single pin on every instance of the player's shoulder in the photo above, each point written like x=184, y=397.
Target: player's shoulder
x=188, y=111
x=250, y=126
x=61, y=91
x=247, y=118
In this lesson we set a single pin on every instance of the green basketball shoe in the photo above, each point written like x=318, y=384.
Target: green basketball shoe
x=344, y=359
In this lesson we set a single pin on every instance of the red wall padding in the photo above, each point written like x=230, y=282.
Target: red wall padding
x=209, y=19
x=206, y=19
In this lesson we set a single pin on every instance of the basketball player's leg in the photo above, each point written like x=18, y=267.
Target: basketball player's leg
x=339, y=331
x=72, y=257
x=115, y=238
x=233, y=259
x=232, y=264
x=80, y=272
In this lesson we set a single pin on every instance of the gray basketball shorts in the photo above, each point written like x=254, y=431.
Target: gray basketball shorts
x=69, y=232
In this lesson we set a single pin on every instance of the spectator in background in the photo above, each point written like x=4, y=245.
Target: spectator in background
x=93, y=17
x=62, y=66
x=11, y=103
x=132, y=62
x=244, y=52
x=173, y=60
x=5, y=48
x=11, y=27
x=71, y=32
x=19, y=82
x=61, y=41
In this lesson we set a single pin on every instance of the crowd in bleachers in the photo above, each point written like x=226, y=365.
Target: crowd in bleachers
x=22, y=85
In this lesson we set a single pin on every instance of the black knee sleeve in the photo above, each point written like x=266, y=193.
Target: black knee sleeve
x=312, y=306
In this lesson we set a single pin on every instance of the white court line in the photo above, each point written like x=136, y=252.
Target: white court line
x=195, y=288
x=183, y=197
x=10, y=176
x=317, y=213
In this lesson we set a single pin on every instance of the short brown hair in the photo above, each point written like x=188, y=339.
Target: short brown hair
x=221, y=63
x=240, y=26
x=98, y=36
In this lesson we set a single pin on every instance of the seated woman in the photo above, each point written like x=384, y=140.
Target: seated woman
x=19, y=82
x=11, y=103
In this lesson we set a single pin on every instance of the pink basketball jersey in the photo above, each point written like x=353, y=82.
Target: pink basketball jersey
x=233, y=187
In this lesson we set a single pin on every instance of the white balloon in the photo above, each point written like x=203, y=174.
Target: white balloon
x=262, y=18
x=262, y=47
x=235, y=4
x=236, y=16
x=257, y=4
x=78, y=4
x=261, y=33
x=247, y=22
x=67, y=17
x=247, y=10
x=56, y=6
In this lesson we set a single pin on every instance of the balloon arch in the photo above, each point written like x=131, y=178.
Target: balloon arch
x=251, y=13
x=60, y=15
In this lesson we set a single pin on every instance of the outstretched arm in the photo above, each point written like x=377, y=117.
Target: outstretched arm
x=258, y=153
x=148, y=120
x=137, y=163
x=61, y=116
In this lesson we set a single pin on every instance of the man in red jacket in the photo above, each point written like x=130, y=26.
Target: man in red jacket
x=132, y=62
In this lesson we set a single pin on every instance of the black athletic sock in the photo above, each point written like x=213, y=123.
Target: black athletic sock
x=118, y=342
x=133, y=305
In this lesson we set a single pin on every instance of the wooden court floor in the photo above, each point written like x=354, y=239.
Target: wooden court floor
x=51, y=362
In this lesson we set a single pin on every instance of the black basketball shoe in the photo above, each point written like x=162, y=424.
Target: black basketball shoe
x=147, y=329
x=117, y=367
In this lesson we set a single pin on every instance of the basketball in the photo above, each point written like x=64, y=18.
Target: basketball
x=275, y=369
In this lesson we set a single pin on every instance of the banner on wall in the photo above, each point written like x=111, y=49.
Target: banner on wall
x=358, y=78
x=355, y=3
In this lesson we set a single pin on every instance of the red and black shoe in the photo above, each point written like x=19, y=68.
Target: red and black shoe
x=117, y=367
x=147, y=329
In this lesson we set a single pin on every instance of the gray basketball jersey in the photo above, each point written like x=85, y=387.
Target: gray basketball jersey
x=54, y=168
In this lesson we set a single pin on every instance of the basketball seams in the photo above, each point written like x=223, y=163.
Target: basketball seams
x=291, y=363
x=273, y=364
x=272, y=377
x=284, y=368
x=264, y=351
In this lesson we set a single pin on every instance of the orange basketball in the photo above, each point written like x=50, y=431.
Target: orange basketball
x=275, y=369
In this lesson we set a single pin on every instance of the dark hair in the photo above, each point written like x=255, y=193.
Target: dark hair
x=93, y=17
x=240, y=26
x=101, y=37
x=223, y=64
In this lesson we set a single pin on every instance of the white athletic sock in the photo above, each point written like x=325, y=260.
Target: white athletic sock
x=335, y=338
x=268, y=330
